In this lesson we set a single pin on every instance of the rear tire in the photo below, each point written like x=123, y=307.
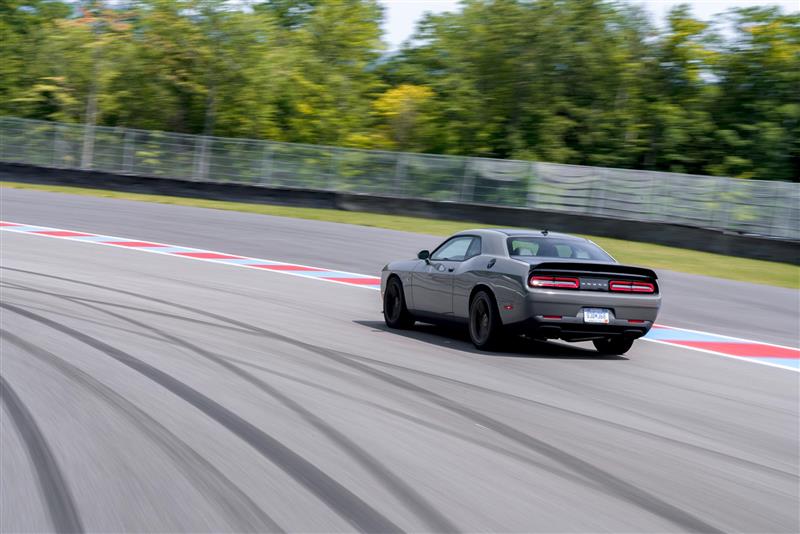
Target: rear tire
x=613, y=346
x=485, y=328
x=395, y=312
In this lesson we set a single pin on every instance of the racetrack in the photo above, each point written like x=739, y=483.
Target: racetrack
x=150, y=393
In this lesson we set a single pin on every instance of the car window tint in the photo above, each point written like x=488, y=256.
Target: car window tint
x=454, y=250
x=554, y=247
x=474, y=248
x=564, y=251
x=524, y=248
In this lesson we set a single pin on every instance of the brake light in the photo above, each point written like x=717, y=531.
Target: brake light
x=627, y=286
x=554, y=282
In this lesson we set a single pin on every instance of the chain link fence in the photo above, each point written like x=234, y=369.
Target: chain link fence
x=766, y=208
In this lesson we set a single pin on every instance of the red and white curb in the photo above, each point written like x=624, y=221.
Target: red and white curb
x=294, y=269
x=731, y=347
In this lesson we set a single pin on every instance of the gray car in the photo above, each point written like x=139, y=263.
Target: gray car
x=503, y=283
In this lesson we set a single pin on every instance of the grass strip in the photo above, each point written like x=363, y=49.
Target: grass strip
x=655, y=256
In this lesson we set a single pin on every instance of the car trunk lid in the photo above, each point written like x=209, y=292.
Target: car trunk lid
x=593, y=276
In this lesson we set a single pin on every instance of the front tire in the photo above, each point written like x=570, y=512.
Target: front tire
x=613, y=346
x=395, y=312
x=485, y=328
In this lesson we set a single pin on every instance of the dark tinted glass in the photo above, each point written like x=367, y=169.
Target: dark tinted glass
x=553, y=247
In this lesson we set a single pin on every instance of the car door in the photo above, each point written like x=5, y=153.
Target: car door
x=432, y=285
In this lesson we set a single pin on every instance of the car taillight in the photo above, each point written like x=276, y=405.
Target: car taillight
x=627, y=286
x=554, y=282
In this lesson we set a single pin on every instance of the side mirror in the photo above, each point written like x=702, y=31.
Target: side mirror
x=424, y=254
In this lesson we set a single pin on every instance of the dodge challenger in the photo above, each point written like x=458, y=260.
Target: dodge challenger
x=504, y=283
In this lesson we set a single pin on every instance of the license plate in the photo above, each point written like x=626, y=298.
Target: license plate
x=596, y=315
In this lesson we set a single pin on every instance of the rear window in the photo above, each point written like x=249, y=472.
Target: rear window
x=553, y=247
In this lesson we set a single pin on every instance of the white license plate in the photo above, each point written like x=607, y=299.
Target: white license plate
x=596, y=315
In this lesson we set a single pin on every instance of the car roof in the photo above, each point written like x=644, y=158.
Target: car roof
x=526, y=232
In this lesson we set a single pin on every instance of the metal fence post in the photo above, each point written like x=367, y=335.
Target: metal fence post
x=777, y=204
x=87, y=153
x=129, y=151
x=399, y=175
x=653, y=203
x=54, y=152
x=721, y=219
x=266, y=164
x=468, y=182
x=602, y=182
x=533, y=182
x=333, y=173
x=200, y=158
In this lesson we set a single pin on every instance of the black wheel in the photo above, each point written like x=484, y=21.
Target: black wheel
x=395, y=312
x=485, y=329
x=613, y=345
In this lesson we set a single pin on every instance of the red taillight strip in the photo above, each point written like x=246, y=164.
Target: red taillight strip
x=628, y=286
x=554, y=282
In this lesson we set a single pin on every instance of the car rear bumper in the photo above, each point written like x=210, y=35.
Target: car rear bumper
x=572, y=329
x=551, y=314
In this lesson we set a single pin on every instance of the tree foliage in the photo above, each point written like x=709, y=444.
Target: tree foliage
x=589, y=82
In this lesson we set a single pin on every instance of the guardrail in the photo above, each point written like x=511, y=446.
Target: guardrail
x=764, y=208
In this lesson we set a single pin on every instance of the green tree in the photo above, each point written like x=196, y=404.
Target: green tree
x=405, y=118
x=758, y=104
x=588, y=82
x=326, y=80
x=25, y=28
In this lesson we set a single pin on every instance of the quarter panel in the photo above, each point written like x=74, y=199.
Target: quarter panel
x=510, y=287
x=506, y=278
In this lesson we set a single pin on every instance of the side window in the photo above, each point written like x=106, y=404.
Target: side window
x=474, y=248
x=454, y=249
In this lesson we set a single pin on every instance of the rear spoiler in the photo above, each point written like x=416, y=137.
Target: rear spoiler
x=593, y=269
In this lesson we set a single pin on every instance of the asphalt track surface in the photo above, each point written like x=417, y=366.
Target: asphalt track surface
x=151, y=393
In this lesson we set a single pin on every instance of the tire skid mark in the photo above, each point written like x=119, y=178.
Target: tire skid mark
x=52, y=485
x=212, y=483
x=430, y=425
x=639, y=409
x=404, y=492
x=622, y=489
x=311, y=363
x=341, y=500
x=700, y=389
x=193, y=320
x=560, y=386
x=591, y=418
x=608, y=481
x=465, y=437
x=87, y=320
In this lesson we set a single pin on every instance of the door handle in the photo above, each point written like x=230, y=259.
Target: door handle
x=491, y=263
x=451, y=269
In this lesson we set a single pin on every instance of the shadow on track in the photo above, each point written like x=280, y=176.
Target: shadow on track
x=455, y=337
